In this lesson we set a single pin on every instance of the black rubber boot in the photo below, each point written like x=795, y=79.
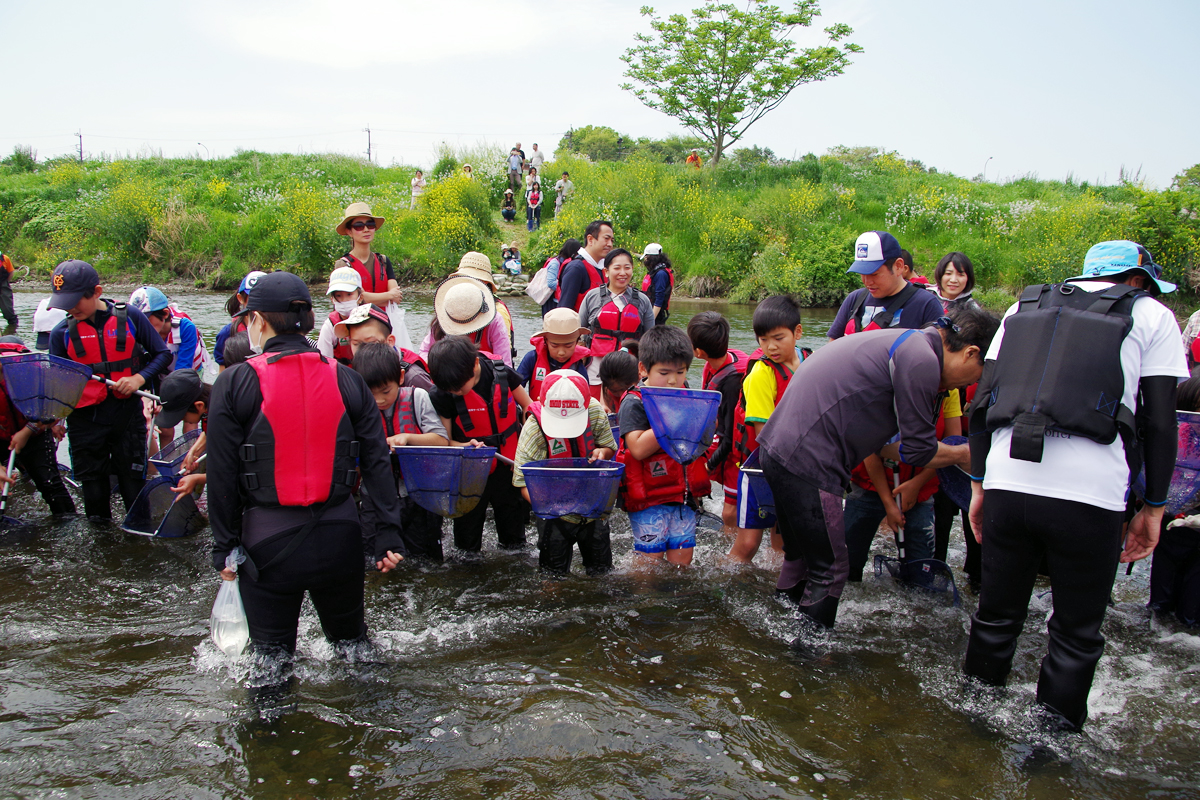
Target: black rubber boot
x=96, y=495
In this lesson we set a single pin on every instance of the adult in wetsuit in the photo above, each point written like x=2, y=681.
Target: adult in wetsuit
x=285, y=430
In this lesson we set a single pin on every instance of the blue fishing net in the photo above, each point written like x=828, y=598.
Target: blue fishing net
x=43, y=387
x=448, y=481
x=683, y=420
x=561, y=486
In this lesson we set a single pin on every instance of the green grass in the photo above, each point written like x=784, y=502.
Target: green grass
x=743, y=230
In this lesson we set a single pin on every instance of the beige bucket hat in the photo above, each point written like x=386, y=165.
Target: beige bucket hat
x=478, y=266
x=560, y=322
x=463, y=305
x=357, y=210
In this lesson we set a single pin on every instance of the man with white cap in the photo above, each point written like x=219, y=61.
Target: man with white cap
x=1078, y=390
x=567, y=423
x=886, y=299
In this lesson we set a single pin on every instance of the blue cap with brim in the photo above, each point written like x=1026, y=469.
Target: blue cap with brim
x=70, y=281
x=872, y=250
x=1112, y=258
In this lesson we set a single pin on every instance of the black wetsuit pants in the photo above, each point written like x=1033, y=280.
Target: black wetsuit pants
x=814, y=542
x=6, y=298
x=556, y=545
x=108, y=439
x=38, y=459
x=328, y=565
x=1175, y=574
x=944, y=512
x=1083, y=545
x=510, y=510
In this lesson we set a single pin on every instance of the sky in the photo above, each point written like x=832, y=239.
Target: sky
x=1050, y=88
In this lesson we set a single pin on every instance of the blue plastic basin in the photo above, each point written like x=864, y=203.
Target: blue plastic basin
x=756, y=503
x=169, y=460
x=43, y=387
x=449, y=481
x=561, y=486
x=683, y=420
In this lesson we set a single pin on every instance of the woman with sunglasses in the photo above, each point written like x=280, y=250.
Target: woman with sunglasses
x=378, y=280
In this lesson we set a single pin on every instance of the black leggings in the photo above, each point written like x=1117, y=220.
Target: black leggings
x=511, y=513
x=116, y=446
x=817, y=563
x=1082, y=544
x=556, y=545
x=39, y=460
x=1175, y=574
x=944, y=512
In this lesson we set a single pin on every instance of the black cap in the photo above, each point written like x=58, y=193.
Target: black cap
x=279, y=291
x=70, y=281
x=179, y=391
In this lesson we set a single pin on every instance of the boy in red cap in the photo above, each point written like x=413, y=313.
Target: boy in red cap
x=568, y=423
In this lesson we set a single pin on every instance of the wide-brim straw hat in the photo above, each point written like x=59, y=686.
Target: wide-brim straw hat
x=357, y=210
x=478, y=266
x=561, y=322
x=463, y=305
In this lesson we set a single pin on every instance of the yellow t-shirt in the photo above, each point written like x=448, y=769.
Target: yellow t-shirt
x=759, y=389
x=952, y=405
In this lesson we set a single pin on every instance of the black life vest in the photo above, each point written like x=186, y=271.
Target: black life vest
x=112, y=352
x=1059, y=368
x=493, y=421
x=301, y=448
x=884, y=318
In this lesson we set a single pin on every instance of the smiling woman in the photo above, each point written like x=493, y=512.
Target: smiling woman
x=615, y=312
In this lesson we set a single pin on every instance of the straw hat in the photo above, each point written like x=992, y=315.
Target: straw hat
x=477, y=266
x=463, y=305
x=561, y=322
x=356, y=210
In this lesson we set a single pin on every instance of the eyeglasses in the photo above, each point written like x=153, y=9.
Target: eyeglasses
x=358, y=225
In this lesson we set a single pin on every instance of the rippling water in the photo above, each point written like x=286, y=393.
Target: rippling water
x=492, y=681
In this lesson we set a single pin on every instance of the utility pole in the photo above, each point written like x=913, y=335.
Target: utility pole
x=368, y=132
x=79, y=133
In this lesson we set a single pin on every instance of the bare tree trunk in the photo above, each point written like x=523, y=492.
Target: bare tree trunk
x=718, y=147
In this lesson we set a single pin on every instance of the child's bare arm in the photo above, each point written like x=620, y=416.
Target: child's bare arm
x=641, y=444
x=418, y=440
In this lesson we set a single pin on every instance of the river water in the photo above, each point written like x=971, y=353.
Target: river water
x=494, y=681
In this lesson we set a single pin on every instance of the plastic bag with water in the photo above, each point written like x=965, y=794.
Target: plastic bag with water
x=230, y=630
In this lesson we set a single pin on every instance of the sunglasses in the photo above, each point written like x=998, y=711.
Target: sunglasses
x=359, y=225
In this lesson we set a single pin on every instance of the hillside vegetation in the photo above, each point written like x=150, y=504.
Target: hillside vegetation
x=754, y=226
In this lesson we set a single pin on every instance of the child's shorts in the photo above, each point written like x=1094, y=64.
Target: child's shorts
x=658, y=529
x=729, y=474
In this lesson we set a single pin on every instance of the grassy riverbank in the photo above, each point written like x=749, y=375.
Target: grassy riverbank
x=745, y=230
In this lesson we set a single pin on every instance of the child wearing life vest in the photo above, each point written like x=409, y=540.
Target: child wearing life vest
x=237, y=323
x=409, y=420
x=34, y=443
x=556, y=346
x=723, y=372
x=618, y=374
x=567, y=423
x=367, y=324
x=778, y=328
x=345, y=291
x=480, y=402
x=657, y=495
x=107, y=429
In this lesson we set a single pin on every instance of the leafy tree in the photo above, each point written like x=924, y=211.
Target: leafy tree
x=23, y=159
x=725, y=68
x=597, y=142
x=671, y=150
x=1189, y=178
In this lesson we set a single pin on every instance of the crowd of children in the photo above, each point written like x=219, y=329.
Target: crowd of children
x=577, y=394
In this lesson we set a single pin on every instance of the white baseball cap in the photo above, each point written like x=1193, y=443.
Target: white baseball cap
x=652, y=249
x=565, y=399
x=344, y=279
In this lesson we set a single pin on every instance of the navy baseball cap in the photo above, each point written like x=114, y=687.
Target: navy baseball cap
x=71, y=279
x=278, y=291
x=872, y=249
x=179, y=391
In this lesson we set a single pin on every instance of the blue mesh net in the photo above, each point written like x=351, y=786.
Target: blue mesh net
x=157, y=512
x=43, y=387
x=683, y=420
x=1185, y=481
x=169, y=460
x=927, y=574
x=449, y=481
x=562, y=486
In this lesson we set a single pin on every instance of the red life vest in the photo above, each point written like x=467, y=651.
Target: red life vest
x=494, y=421
x=648, y=281
x=114, y=353
x=614, y=326
x=11, y=419
x=542, y=368
x=579, y=447
x=659, y=479
x=410, y=358
x=884, y=318
x=400, y=418
x=595, y=278
x=342, y=352
x=374, y=279
x=713, y=380
x=745, y=438
x=301, y=448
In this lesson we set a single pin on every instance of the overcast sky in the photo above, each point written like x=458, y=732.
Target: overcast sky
x=1048, y=87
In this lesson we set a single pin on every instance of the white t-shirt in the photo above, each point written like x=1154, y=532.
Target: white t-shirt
x=46, y=318
x=1075, y=468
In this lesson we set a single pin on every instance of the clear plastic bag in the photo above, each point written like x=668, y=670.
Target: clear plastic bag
x=230, y=630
